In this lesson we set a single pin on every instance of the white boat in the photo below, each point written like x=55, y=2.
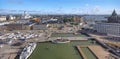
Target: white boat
x=60, y=41
x=27, y=51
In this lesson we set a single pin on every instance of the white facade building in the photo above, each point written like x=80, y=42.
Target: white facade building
x=53, y=19
x=111, y=29
x=2, y=18
x=26, y=15
x=12, y=17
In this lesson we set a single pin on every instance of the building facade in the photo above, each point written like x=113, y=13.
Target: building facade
x=12, y=17
x=39, y=27
x=2, y=18
x=14, y=26
x=78, y=19
x=17, y=27
x=26, y=15
x=111, y=29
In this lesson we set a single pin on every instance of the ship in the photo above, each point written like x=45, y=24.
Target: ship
x=27, y=51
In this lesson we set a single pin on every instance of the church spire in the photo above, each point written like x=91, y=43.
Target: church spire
x=114, y=13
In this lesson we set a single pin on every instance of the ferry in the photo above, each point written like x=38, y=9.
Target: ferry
x=27, y=51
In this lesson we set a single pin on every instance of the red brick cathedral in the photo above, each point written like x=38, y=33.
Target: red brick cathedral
x=114, y=18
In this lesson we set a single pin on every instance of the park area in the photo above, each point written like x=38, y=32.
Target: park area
x=48, y=50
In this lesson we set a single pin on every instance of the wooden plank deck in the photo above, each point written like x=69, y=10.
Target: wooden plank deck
x=99, y=52
x=81, y=52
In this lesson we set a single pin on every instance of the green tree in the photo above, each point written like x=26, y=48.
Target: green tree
x=68, y=20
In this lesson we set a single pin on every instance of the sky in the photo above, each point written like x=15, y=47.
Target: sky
x=60, y=6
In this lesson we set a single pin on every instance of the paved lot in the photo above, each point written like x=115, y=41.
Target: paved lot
x=101, y=38
x=99, y=52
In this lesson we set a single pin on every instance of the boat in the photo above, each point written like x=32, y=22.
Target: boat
x=27, y=51
x=60, y=41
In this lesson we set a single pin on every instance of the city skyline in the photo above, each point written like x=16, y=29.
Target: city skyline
x=60, y=6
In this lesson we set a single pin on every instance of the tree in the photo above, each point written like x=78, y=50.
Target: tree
x=68, y=20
